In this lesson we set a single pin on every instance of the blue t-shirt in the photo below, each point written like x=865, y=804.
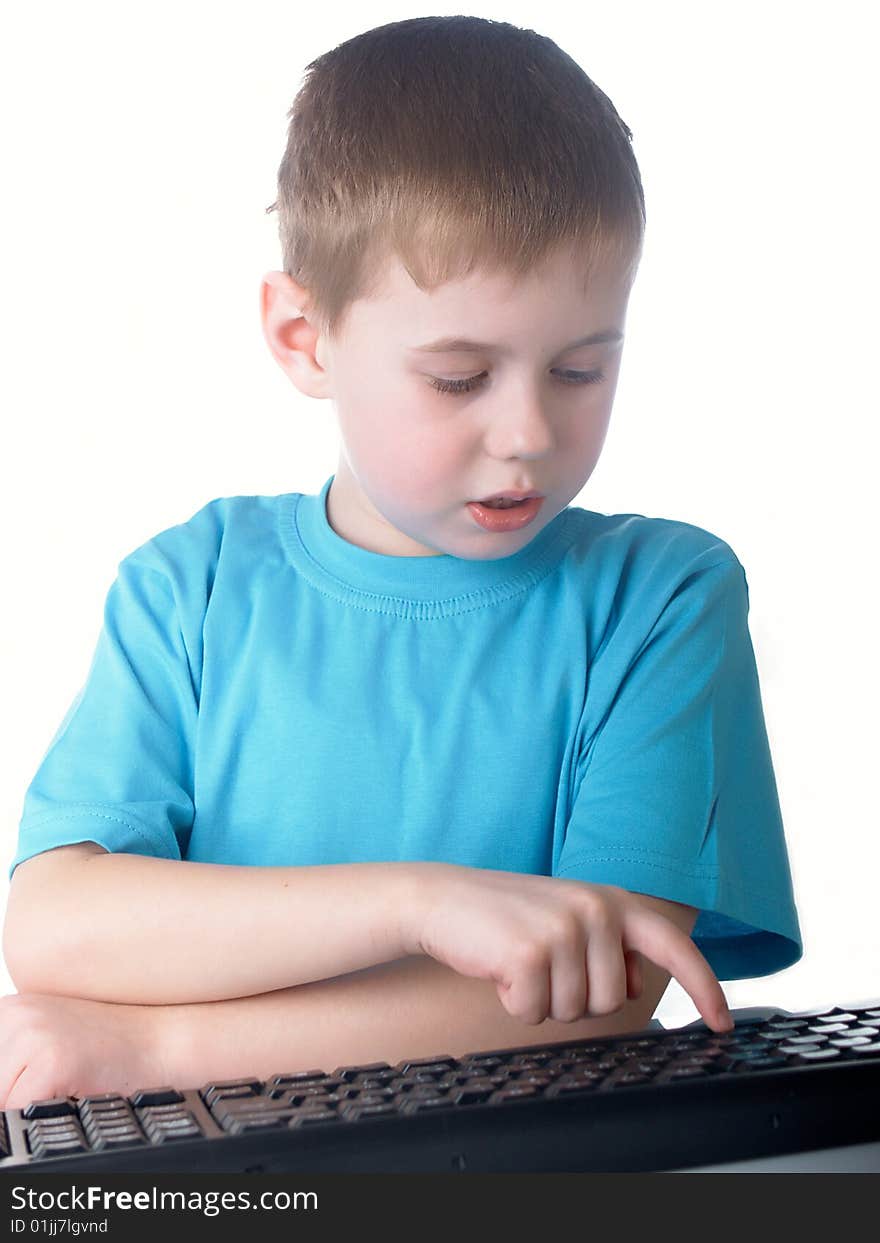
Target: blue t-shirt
x=264, y=692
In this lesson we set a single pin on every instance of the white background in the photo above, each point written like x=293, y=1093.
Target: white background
x=140, y=149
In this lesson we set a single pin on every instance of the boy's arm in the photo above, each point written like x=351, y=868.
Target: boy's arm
x=413, y=1007
x=81, y=921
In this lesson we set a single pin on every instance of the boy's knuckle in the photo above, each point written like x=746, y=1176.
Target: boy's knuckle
x=602, y=917
x=528, y=955
x=566, y=930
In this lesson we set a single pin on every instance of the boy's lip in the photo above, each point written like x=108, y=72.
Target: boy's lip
x=511, y=495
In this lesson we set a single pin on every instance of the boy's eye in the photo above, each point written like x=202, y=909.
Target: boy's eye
x=472, y=382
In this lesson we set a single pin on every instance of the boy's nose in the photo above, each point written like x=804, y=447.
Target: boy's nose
x=520, y=428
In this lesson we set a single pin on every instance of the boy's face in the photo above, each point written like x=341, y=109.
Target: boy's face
x=413, y=457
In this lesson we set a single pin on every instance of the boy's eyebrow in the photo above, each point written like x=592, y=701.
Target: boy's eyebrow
x=451, y=344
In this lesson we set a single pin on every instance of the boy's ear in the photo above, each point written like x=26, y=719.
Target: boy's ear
x=292, y=340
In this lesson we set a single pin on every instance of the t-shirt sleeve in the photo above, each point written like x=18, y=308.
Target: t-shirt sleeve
x=119, y=770
x=676, y=796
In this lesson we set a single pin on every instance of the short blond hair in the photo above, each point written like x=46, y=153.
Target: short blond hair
x=452, y=143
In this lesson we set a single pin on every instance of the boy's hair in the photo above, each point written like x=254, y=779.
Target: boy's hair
x=454, y=143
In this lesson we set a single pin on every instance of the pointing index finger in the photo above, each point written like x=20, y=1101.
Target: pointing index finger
x=669, y=947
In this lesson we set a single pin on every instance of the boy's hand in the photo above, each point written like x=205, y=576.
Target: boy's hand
x=555, y=948
x=67, y=1046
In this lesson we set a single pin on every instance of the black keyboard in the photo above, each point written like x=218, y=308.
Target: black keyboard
x=659, y=1099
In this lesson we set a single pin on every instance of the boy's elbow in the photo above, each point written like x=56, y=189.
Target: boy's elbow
x=40, y=946
x=29, y=963
x=23, y=979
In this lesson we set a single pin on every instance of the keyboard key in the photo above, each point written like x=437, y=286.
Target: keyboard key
x=356, y=1072
x=54, y=1107
x=587, y=1071
x=375, y=1096
x=313, y=1117
x=417, y=1091
x=317, y=1093
x=626, y=1078
x=472, y=1096
x=92, y=1127
x=100, y=1135
x=765, y=1062
x=49, y=1135
x=231, y=1091
x=260, y=1122
x=530, y=1061
x=478, y=1062
x=164, y=1130
x=540, y=1079
x=438, y=1064
x=103, y=1101
x=572, y=1087
x=226, y=1110
x=352, y=1111
x=105, y=1113
x=44, y=1147
x=156, y=1096
x=513, y=1091
x=122, y=1139
x=168, y=1134
x=55, y=1124
x=296, y=1079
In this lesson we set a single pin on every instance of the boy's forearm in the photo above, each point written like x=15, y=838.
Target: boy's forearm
x=128, y=928
x=412, y=1007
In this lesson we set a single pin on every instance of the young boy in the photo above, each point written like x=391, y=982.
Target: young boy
x=395, y=769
